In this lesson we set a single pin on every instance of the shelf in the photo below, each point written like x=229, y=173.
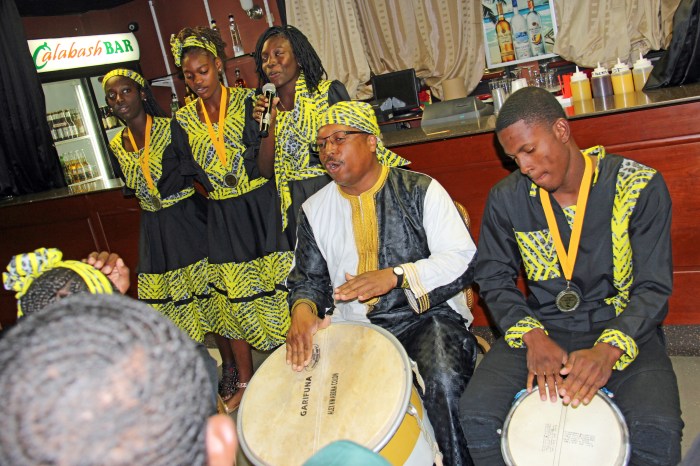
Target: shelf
x=66, y=141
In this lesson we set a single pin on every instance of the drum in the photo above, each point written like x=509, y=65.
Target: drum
x=358, y=387
x=540, y=432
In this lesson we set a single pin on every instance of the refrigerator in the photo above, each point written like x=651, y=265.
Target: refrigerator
x=81, y=124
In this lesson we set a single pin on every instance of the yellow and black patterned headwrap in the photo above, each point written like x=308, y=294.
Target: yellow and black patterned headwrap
x=360, y=115
x=131, y=74
x=23, y=269
x=191, y=41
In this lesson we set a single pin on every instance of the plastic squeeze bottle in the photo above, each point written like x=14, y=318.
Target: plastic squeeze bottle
x=641, y=71
x=580, y=86
x=601, y=85
x=622, y=78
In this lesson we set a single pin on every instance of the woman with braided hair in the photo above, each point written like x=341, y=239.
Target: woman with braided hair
x=247, y=271
x=172, y=268
x=285, y=58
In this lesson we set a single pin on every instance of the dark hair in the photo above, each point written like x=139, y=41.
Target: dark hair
x=532, y=105
x=49, y=287
x=208, y=34
x=102, y=379
x=150, y=105
x=306, y=56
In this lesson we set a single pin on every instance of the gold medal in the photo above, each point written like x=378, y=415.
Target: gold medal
x=567, y=300
x=155, y=202
x=230, y=180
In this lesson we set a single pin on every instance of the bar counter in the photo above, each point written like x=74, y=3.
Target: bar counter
x=660, y=128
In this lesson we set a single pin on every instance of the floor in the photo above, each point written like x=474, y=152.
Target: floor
x=684, y=348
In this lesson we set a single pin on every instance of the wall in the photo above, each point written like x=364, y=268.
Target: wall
x=172, y=16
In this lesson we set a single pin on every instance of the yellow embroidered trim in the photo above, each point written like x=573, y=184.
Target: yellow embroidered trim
x=366, y=229
x=311, y=304
x=514, y=335
x=416, y=293
x=620, y=340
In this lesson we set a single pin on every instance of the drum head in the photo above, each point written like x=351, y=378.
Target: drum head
x=357, y=390
x=540, y=432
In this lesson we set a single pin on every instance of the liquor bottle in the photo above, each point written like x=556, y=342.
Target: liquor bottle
x=504, y=35
x=86, y=166
x=521, y=41
x=534, y=29
x=62, y=126
x=240, y=82
x=51, y=118
x=78, y=122
x=72, y=128
x=174, y=104
x=213, y=25
x=235, y=37
x=64, y=167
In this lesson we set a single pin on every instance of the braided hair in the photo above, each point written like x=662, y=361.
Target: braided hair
x=211, y=35
x=306, y=56
x=102, y=379
x=533, y=105
x=49, y=287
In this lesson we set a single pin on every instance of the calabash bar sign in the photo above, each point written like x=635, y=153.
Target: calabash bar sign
x=65, y=53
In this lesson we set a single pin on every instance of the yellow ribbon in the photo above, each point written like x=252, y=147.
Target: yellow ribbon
x=145, y=156
x=567, y=259
x=217, y=137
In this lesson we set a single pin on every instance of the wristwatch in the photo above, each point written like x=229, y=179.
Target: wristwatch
x=398, y=271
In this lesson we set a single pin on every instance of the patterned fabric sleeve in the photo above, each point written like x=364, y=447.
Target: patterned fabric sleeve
x=514, y=335
x=624, y=342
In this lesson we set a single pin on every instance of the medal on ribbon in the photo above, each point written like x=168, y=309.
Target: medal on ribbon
x=568, y=300
x=217, y=138
x=144, y=159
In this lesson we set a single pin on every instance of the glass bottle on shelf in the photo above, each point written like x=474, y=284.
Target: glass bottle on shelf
x=72, y=128
x=78, y=122
x=504, y=35
x=240, y=82
x=236, y=42
x=213, y=25
x=521, y=41
x=534, y=29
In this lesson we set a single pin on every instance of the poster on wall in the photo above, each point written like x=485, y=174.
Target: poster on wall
x=518, y=31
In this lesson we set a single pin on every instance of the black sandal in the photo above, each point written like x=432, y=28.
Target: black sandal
x=228, y=382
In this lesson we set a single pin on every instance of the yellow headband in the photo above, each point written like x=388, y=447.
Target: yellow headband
x=360, y=115
x=23, y=269
x=191, y=41
x=133, y=75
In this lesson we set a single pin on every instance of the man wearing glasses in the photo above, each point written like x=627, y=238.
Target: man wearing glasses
x=388, y=246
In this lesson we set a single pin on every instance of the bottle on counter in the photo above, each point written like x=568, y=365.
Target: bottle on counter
x=601, y=84
x=240, y=82
x=534, y=29
x=504, y=36
x=641, y=71
x=580, y=86
x=621, y=78
x=521, y=38
x=236, y=43
x=174, y=104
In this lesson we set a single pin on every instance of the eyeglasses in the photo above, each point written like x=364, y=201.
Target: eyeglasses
x=336, y=139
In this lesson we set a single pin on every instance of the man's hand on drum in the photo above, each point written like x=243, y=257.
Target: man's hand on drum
x=305, y=324
x=366, y=286
x=586, y=372
x=260, y=106
x=544, y=361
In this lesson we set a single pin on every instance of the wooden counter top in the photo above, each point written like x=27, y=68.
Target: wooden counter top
x=591, y=108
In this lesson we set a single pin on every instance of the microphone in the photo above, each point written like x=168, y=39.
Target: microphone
x=270, y=93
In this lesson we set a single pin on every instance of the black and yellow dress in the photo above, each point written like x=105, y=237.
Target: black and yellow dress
x=173, y=266
x=247, y=272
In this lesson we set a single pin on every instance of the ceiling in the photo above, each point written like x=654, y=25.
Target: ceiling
x=63, y=7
